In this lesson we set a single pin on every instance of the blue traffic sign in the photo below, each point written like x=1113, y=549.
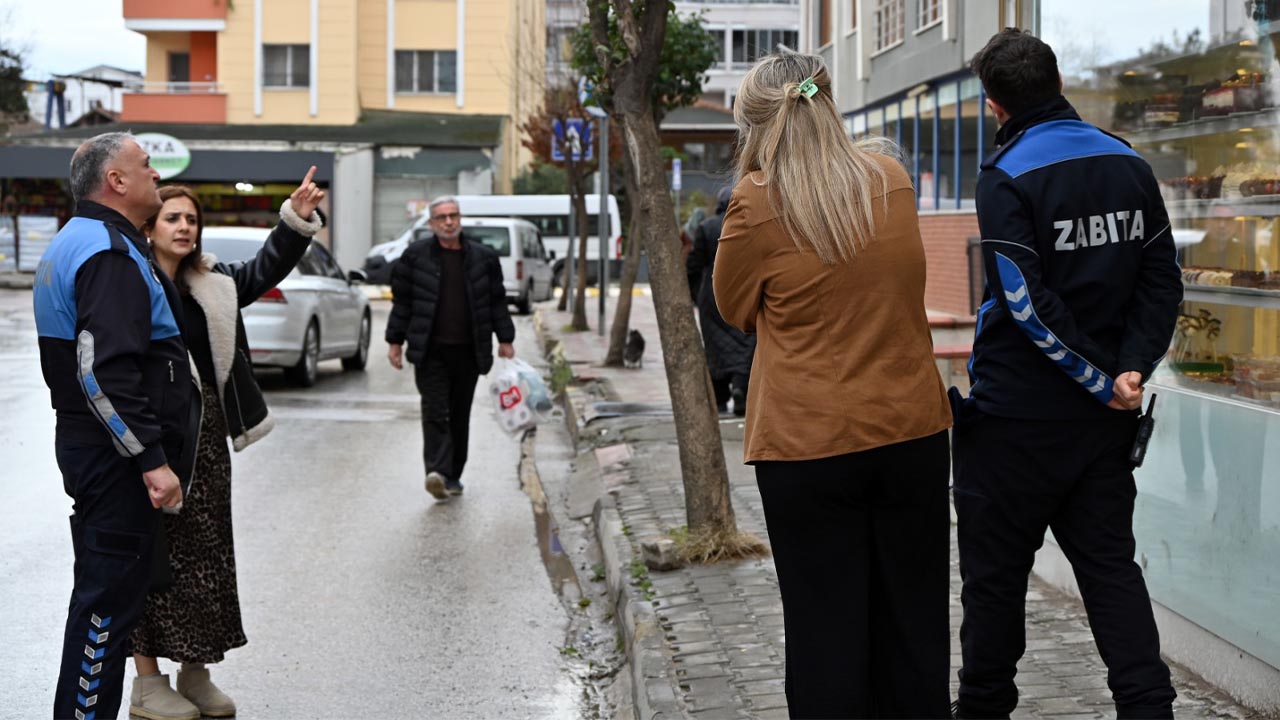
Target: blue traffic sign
x=573, y=138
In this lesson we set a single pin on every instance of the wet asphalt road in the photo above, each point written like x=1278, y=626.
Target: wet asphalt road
x=361, y=596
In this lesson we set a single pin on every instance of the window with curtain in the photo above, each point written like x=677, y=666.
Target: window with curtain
x=286, y=66
x=426, y=71
x=930, y=12
x=890, y=22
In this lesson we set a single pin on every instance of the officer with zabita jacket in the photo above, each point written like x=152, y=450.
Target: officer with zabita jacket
x=1083, y=289
x=119, y=379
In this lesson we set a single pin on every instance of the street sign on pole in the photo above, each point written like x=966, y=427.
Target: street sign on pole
x=588, y=100
x=574, y=136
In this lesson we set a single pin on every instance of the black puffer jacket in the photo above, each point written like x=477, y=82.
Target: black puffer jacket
x=415, y=290
x=729, y=350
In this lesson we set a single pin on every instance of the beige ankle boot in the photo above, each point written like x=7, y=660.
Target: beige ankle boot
x=152, y=698
x=195, y=685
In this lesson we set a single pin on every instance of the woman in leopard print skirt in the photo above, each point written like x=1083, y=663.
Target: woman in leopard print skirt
x=197, y=619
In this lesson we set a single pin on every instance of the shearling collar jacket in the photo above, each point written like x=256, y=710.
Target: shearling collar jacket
x=220, y=290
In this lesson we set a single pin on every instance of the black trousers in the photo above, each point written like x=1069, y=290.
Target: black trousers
x=861, y=543
x=446, y=380
x=112, y=530
x=1014, y=479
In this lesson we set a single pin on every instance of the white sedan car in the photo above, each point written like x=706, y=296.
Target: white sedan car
x=314, y=314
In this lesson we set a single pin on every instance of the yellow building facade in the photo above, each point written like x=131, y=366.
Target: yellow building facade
x=327, y=62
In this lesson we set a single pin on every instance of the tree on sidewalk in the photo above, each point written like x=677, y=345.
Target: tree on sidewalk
x=13, y=99
x=628, y=39
x=688, y=50
x=561, y=105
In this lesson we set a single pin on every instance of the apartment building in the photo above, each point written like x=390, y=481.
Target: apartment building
x=900, y=70
x=394, y=101
x=703, y=134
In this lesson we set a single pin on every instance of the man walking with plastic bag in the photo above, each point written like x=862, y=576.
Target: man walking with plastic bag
x=448, y=302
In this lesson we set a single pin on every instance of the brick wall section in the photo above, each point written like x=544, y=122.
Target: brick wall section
x=945, y=238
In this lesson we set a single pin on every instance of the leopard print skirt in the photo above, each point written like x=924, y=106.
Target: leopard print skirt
x=198, y=618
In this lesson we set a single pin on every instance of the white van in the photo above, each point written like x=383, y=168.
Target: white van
x=548, y=213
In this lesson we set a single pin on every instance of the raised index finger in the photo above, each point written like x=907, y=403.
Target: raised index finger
x=310, y=174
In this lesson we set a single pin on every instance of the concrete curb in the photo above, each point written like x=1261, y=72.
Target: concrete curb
x=653, y=693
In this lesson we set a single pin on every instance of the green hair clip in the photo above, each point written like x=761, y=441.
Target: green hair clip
x=808, y=88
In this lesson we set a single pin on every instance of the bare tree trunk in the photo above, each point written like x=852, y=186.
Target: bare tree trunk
x=580, y=305
x=627, y=281
x=706, y=480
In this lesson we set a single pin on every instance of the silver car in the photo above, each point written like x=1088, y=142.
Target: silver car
x=316, y=313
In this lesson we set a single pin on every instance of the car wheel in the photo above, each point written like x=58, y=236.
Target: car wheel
x=304, y=373
x=361, y=358
x=524, y=305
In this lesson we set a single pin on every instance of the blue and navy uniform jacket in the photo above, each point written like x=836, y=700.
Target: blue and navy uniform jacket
x=111, y=349
x=1082, y=279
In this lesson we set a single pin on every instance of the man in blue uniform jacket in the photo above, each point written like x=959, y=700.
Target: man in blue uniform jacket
x=119, y=378
x=1083, y=289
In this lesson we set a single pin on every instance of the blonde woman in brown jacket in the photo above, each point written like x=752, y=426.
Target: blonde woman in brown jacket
x=847, y=416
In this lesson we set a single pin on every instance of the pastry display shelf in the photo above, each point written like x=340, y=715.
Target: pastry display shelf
x=1235, y=122
x=1239, y=296
x=1254, y=206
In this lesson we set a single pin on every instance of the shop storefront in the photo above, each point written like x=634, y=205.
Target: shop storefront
x=376, y=172
x=235, y=186
x=1194, y=85
x=1202, y=105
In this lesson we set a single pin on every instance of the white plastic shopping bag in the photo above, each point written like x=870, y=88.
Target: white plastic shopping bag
x=521, y=398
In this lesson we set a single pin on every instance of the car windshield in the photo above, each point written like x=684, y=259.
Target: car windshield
x=497, y=238
x=231, y=250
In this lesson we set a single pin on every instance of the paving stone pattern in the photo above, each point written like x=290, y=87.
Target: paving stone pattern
x=723, y=624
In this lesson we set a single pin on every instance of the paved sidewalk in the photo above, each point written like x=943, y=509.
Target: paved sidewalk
x=707, y=641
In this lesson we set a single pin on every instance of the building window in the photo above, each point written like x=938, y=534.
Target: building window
x=286, y=66
x=930, y=13
x=751, y=45
x=890, y=22
x=426, y=71
x=824, y=22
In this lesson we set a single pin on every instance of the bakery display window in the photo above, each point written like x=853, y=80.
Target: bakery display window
x=1203, y=108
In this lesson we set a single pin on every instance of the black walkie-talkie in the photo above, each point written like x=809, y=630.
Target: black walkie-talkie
x=1146, y=424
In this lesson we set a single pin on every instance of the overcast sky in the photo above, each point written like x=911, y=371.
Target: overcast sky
x=1119, y=27
x=66, y=36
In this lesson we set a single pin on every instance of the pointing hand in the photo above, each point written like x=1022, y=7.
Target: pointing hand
x=307, y=197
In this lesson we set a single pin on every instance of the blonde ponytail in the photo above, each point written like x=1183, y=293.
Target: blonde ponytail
x=821, y=183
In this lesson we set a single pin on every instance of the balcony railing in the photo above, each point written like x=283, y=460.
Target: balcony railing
x=181, y=88
x=176, y=103
x=175, y=10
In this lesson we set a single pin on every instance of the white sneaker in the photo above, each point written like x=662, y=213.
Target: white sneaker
x=435, y=486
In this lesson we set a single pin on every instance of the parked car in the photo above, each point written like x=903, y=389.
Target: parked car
x=316, y=313
x=548, y=213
